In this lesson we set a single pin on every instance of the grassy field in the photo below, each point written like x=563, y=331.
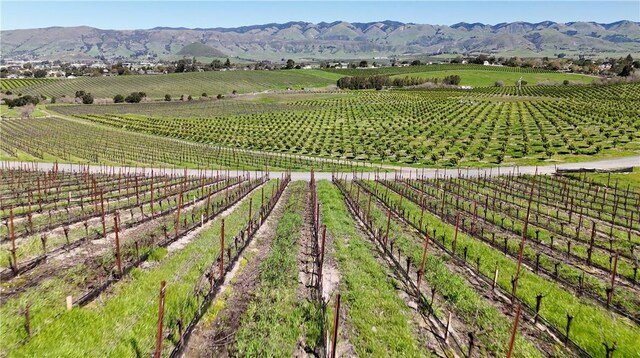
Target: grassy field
x=177, y=84
x=5, y=112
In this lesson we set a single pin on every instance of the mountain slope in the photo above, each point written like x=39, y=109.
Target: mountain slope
x=334, y=40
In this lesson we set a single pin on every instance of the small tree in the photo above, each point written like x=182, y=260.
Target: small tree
x=87, y=98
x=79, y=94
x=204, y=94
x=26, y=110
x=53, y=100
x=167, y=97
x=290, y=64
x=219, y=96
x=189, y=98
x=118, y=98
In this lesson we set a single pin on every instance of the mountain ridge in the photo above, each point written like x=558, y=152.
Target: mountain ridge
x=325, y=40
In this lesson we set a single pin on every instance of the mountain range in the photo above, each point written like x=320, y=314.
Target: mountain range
x=335, y=40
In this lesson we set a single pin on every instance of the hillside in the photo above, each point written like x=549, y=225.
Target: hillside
x=336, y=40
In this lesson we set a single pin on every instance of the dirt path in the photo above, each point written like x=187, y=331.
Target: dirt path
x=405, y=172
x=214, y=335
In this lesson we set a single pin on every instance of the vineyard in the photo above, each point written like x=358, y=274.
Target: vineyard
x=420, y=128
x=60, y=140
x=10, y=84
x=115, y=262
x=178, y=84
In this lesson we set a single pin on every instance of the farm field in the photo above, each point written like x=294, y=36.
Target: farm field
x=10, y=84
x=60, y=140
x=116, y=263
x=548, y=124
x=178, y=84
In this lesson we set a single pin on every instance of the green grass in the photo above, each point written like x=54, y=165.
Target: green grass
x=592, y=324
x=378, y=317
x=632, y=180
x=477, y=78
x=177, y=84
x=122, y=322
x=461, y=298
x=276, y=319
x=14, y=112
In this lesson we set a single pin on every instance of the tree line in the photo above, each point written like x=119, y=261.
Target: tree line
x=379, y=82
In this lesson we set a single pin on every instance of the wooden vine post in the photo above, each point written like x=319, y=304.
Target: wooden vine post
x=386, y=235
x=455, y=235
x=104, y=225
x=178, y=213
x=514, y=287
x=118, y=257
x=249, y=226
x=336, y=318
x=12, y=232
x=158, y=351
x=424, y=259
x=512, y=340
x=152, y=193
x=222, y=248
x=613, y=279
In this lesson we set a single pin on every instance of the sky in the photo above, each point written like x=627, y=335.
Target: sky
x=137, y=14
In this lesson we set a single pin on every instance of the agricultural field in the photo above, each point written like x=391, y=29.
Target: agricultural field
x=540, y=125
x=9, y=84
x=77, y=142
x=120, y=262
x=178, y=84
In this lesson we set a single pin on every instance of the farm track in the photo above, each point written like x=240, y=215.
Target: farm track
x=216, y=338
x=217, y=283
x=434, y=336
x=403, y=172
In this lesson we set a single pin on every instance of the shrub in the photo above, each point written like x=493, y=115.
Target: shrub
x=167, y=97
x=21, y=101
x=499, y=84
x=451, y=80
x=135, y=97
x=118, y=98
x=87, y=98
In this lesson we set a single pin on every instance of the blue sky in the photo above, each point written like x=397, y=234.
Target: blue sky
x=147, y=14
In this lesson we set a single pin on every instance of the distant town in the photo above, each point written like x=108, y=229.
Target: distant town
x=57, y=69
